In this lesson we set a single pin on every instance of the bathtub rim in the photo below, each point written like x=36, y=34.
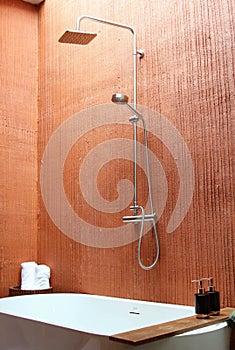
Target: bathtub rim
x=206, y=329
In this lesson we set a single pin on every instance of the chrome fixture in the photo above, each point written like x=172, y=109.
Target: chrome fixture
x=83, y=38
x=135, y=218
x=120, y=99
x=123, y=99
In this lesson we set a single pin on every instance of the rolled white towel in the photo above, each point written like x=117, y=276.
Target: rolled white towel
x=42, y=277
x=28, y=275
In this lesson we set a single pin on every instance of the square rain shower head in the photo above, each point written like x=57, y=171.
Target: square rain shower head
x=77, y=37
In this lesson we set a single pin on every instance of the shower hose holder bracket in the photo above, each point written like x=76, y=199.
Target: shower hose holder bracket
x=140, y=53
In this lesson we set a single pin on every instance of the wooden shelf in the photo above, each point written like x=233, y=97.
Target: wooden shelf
x=168, y=329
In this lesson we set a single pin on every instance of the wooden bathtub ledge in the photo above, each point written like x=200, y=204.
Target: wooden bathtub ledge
x=168, y=329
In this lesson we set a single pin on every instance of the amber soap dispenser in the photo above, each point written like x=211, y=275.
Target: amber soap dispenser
x=201, y=301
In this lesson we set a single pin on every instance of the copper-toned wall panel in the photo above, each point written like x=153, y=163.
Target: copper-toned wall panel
x=186, y=76
x=18, y=140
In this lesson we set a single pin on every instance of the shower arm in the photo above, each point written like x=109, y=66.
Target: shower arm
x=135, y=52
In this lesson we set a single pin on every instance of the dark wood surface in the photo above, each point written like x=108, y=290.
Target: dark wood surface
x=167, y=329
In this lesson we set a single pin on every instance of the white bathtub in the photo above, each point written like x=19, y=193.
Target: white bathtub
x=63, y=321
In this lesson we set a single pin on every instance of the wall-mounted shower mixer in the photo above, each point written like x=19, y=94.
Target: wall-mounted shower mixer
x=136, y=219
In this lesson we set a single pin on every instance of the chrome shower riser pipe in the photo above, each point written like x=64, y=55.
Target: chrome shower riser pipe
x=135, y=53
x=135, y=167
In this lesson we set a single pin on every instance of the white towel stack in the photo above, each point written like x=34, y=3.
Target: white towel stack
x=42, y=276
x=34, y=276
x=28, y=275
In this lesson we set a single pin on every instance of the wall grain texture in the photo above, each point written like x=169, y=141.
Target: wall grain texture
x=18, y=140
x=187, y=75
x=185, y=86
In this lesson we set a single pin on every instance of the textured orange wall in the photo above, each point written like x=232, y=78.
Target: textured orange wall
x=18, y=140
x=187, y=76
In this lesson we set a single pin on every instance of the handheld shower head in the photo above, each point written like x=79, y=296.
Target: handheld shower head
x=120, y=99
x=77, y=37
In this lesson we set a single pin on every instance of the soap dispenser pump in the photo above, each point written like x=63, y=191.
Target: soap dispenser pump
x=201, y=301
x=214, y=298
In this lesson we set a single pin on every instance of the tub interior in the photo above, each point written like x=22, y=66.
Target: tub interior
x=92, y=314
